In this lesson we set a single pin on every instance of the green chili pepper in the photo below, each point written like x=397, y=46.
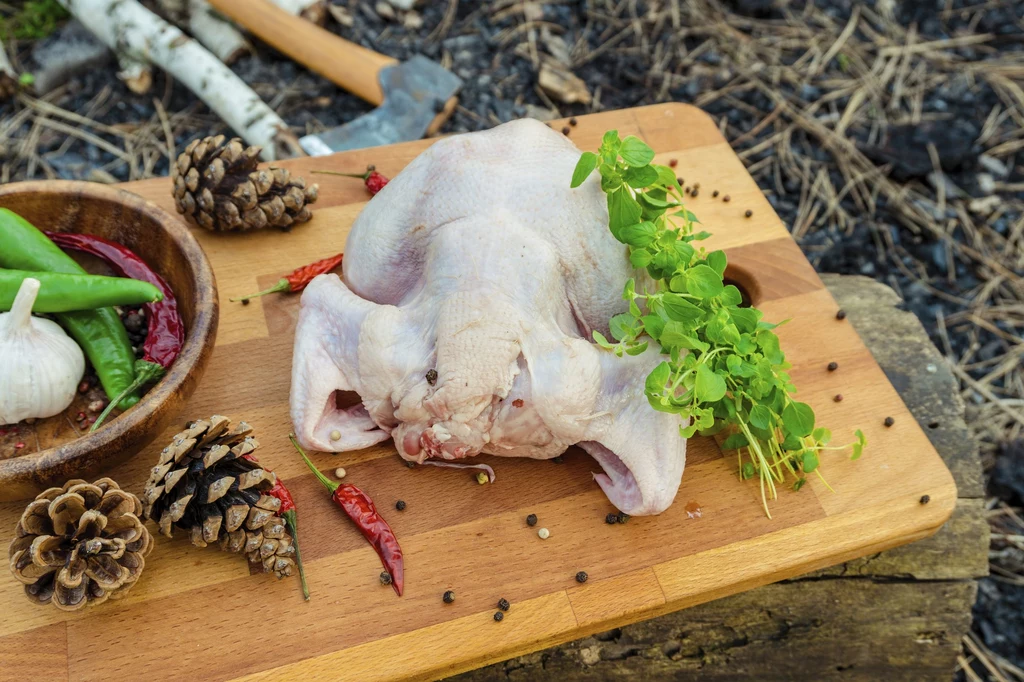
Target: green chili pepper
x=62, y=293
x=100, y=332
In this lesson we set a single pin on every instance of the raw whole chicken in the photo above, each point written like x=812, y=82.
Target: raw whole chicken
x=472, y=283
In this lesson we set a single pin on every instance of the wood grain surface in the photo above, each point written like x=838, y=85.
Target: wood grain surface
x=197, y=613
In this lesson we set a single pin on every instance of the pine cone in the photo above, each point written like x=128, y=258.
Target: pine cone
x=80, y=544
x=219, y=187
x=205, y=484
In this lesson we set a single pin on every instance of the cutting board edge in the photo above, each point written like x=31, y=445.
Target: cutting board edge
x=319, y=667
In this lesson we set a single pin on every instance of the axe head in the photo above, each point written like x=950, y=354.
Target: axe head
x=413, y=92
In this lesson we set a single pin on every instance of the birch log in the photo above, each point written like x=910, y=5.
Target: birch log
x=8, y=76
x=135, y=74
x=311, y=10
x=131, y=29
x=215, y=32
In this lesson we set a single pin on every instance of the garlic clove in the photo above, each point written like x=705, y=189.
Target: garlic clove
x=40, y=365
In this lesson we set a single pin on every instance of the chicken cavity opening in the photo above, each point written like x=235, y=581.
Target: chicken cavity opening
x=345, y=424
x=617, y=481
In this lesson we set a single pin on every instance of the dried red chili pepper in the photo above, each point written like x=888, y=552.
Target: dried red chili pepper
x=166, y=333
x=287, y=512
x=299, y=279
x=373, y=180
x=360, y=508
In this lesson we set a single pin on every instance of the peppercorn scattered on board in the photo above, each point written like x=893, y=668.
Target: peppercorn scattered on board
x=187, y=617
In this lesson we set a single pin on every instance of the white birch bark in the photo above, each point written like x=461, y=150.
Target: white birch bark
x=216, y=33
x=313, y=10
x=129, y=28
x=135, y=74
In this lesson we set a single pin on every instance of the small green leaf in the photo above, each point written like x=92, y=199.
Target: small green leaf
x=637, y=349
x=735, y=441
x=622, y=327
x=747, y=471
x=638, y=234
x=635, y=152
x=708, y=387
x=657, y=379
x=717, y=261
x=678, y=308
x=601, y=340
x=653, y=325
x=640, y=258
x=643, y=176
x=799, y=483
x=761, y=417
x=821, y=435
x=622, y=211
x=768, y=342
x=730, y=296
x=809, y=461
x=584, y=167
x=858, y=450
x=703, y=282
x=26, y=79
x=798, y=418
x=792, y=443
x=687, y=431
x=745, y=318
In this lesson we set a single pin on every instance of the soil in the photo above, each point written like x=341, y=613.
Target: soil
x=900, y=163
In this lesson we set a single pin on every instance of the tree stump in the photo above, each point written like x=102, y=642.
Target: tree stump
x=895, y=615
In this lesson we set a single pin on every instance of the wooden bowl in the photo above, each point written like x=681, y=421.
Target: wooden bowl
x=163, y=241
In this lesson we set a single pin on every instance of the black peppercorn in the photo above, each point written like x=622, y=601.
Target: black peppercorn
x=889, y=421
x=680, y=181
x=725, y=198
x=925, y=499
x=431, y=376
x=611, y=518
x=714, y=194
x=371, y=168
x=748, y=213
x=565, y=130
x=581, y=577
x=410, y=465
x=838, y=398
x=694, y=193
x=833, y=366
x=448, y=597
x=531, y=520
x=400, y=505
x=498, y=615
x=672, y=163
x=503, y=604
x=841, y=315
x=622, y=517
x=245, y=301
x=573, y=121
x=385, y=578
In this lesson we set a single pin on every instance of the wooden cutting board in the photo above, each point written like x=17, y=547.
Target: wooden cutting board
x=198, y=614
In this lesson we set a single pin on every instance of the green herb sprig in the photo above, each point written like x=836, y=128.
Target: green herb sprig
x=725, y=371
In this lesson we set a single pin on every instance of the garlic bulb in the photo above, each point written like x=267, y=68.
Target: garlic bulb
x=40, y=366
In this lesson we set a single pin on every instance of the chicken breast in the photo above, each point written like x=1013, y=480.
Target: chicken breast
x=472, y=284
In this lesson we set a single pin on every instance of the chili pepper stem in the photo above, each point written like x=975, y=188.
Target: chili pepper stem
x=362, y=176
x=291, y=521
x=281, y=286
x=144, y=373
x=328, y=483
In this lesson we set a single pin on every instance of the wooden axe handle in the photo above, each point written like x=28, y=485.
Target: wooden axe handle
x=346, y=64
